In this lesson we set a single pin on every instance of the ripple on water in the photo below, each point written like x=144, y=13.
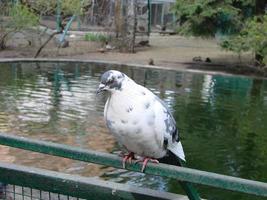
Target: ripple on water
x=4, y=122
x=222, y=120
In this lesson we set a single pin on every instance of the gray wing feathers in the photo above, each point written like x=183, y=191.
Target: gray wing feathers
x=170, y=123
x=171, y=137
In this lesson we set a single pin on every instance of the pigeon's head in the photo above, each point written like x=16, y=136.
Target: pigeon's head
x=111, y=81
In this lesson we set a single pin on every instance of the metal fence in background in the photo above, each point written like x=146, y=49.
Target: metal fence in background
x=10, y=192
x=39, y=184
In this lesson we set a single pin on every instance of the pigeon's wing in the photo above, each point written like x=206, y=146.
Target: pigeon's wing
x=106, y=107
x=165, y=123
x=169, y=124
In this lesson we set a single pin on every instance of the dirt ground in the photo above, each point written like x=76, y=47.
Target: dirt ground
x=174, y=52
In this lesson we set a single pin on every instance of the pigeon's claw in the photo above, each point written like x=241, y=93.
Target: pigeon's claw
x=129, y=157
x=145, y=161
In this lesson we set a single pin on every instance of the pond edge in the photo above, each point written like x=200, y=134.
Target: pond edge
x=114, y=63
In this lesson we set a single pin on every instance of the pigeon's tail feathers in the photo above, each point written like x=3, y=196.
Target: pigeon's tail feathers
x=170, y=159
x=175, y=154
x=177, y=149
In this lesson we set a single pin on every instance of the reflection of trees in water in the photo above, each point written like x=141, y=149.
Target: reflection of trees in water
x=222, y=120
x=22, y=82
x=224, y=132
x=22, y=157
x=253, y=133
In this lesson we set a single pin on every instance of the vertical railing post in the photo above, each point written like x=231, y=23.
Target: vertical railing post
x=59, y=15
x=188, y=187
x=190, y=190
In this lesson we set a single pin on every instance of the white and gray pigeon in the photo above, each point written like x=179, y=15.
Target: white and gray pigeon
x=138, y=119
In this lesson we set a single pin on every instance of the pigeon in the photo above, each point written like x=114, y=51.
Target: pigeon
x=139, y=120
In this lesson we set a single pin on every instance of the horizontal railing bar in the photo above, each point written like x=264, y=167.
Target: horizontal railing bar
x=180, y=173
x=77, y=186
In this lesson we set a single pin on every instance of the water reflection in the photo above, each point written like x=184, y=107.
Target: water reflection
x=222, y=120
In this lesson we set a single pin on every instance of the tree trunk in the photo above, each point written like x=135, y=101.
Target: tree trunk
x=45, y=43
x=2, y=43
x=125, y=20
x=117, y=17
x=258, y=59
x=135, y=4
x=259, y=10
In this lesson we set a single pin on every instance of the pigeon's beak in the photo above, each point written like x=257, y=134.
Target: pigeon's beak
x=101, y=87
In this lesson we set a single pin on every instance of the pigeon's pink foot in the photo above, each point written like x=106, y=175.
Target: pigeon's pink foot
x=129, y=157
x=145, y=161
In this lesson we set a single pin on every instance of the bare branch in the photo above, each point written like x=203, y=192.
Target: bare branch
x=45, y=43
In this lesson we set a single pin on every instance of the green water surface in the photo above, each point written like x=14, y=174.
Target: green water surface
x=222, y=119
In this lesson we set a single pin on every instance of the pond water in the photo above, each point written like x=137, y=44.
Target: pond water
x=222, y=120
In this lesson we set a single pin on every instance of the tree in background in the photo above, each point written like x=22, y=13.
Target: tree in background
x=26, y=14
x=16, y=18
x=241, y=21
x=252, y=37
x=67, y=9
x=49, y=7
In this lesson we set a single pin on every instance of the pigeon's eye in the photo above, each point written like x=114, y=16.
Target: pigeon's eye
x=110, y=81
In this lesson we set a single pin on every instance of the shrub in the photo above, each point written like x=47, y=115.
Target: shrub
x=19, y=18
x=253, y=37
x=96, y=37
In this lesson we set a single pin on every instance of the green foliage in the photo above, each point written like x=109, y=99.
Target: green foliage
x=68, y=7
x=5, y=7
x=207, y=17
x=235, y=44
x=96, y=37
x=253, y=37
x=17, y=18
x=72, y=7
x=22, y=17
x=239, y=20
x=44, y=7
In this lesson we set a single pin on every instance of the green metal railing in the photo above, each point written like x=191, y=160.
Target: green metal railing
x=58, y=20
x=179, y=173
x=72, y=185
